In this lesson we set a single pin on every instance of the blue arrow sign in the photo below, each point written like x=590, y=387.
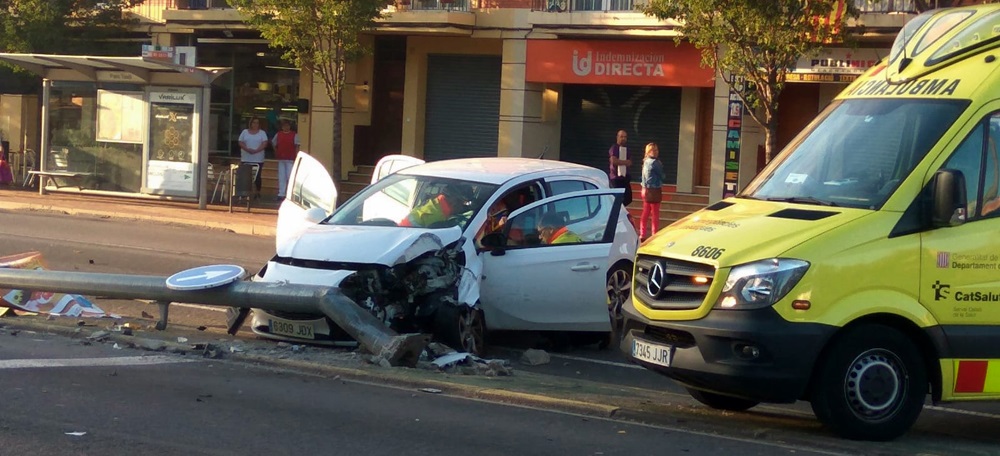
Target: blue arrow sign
x=204, y=277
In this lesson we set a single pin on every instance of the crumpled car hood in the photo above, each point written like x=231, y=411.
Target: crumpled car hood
x=387, y=246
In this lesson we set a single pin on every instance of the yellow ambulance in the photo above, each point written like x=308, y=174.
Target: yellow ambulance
x=860, y=270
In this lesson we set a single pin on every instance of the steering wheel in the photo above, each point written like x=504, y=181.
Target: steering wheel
x=380, y=221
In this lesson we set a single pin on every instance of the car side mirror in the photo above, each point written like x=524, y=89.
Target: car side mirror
x=495, y=243
x=315, y=215
x=948, y=199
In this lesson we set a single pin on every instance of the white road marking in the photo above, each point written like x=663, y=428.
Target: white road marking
x=91, y=362
x=961, y=412
x=596, y=361
x=199, y=306
x=781, y=409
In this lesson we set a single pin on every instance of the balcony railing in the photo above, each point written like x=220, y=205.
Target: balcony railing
x=203, y=4
x=440, y=5
x=885, y=6
x=561, y=6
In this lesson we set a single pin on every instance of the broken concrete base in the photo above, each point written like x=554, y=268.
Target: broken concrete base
x=404, y=350
x=534, y=357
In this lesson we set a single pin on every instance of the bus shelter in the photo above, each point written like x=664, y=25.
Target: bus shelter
x=129, y=126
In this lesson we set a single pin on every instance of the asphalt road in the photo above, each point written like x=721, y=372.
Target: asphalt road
x=106, y=245
x=63, y=398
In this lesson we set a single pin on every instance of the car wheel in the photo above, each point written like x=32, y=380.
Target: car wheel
x=619, y=290
x=461, y=327
x=720, y=402
x=870, y=385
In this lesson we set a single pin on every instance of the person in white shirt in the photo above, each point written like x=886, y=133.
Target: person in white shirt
x=253, y=141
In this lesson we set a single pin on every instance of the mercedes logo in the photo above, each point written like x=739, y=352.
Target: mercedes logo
x=657, y=280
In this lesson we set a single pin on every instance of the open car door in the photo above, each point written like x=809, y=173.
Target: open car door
x=311, y=196
x=553, y=277
x=392, y=163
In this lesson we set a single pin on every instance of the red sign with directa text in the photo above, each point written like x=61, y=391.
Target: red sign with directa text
x=645, y=63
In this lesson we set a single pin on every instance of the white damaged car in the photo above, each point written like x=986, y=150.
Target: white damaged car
x=456, y=247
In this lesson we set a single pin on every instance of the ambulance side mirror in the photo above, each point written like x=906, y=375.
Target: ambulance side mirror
x=948, y=201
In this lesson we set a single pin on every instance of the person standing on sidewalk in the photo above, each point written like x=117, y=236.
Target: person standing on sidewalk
x=253, y=141
x=286, y=144
x=619, y=162
x=652, y=192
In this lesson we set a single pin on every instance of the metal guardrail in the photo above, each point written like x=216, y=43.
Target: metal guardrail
x=371, y=333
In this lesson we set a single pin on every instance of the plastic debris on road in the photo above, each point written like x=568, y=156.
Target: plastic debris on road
x=72, y=305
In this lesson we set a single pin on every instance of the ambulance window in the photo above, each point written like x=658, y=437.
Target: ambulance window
x=968, y=159
x=977, y=159
x=991, y=170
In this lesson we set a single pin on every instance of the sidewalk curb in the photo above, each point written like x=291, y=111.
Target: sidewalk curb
x=398, y=379
x=393, y=377
x=238, y=228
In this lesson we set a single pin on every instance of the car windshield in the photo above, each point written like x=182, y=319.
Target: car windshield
x=857, y=153
x=414, y=202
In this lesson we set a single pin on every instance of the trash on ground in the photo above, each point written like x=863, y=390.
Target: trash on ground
x=451, y=358
x=431, y=390
x=77, y=433
x=469, y=364
x=72, y=305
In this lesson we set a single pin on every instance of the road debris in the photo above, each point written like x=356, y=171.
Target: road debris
x=77, y=433
x=469, y=364
x=533, y=357
x=54, y=304
x=151, y=344
x=430, y=390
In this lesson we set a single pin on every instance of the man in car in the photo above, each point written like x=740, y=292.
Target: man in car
x=452, y=201
x=552, y=230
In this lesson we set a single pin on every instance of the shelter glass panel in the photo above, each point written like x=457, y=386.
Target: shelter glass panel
x=75, y=150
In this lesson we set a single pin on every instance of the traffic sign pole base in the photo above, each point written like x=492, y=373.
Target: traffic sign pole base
x=164, y=312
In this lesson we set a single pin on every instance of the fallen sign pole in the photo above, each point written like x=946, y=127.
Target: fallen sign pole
x=371, y=333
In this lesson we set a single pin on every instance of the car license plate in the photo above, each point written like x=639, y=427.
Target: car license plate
x=288, y=328
x=652, y=353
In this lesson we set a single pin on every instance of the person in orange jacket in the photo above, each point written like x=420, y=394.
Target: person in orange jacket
x=552, y=230
x=451, y=201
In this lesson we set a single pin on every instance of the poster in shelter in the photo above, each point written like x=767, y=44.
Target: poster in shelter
x=120, y=116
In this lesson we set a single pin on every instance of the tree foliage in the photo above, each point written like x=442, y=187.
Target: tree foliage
x=320, y=36
x=60, y=27
x=65, y=26
x=758, y=41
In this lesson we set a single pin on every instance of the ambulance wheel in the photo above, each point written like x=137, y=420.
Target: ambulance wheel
x=461, y=327
x=720, y=402
x=870, y=385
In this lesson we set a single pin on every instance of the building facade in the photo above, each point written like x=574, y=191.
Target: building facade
x=532, y=78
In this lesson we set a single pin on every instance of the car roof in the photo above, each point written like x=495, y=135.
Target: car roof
x=497, y=170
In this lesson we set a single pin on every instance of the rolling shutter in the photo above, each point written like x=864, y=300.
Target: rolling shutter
x=463, y=106
x=593, y=114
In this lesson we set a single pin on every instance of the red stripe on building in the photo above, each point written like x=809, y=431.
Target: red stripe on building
x=971, y=376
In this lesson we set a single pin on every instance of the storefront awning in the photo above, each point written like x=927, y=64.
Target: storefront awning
x=137, y=70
